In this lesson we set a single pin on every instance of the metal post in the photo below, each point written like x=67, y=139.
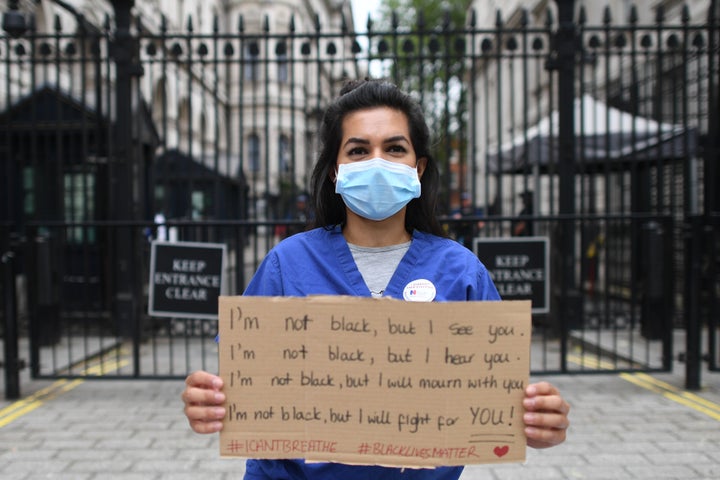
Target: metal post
x=693, y=336
x=565, y=44
x=124, y=191
x=712, y=149
x=15, y=24
x=10, y=336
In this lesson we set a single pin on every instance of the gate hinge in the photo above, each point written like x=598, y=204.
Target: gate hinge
x=20, y=364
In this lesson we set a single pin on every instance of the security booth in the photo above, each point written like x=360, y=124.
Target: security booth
x=54, y=155
x=55, y=160
x=622, y=235
x=190, y=188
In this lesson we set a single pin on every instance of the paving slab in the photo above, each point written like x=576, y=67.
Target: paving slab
x=624, y=426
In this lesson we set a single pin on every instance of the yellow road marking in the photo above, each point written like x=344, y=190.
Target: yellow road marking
x=675, y=394
x=26, y=405
x=591, y=361
x=17, y=411
x=648, y=382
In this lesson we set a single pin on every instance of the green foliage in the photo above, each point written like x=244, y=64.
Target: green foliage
x=426, y=41
x=434, y=13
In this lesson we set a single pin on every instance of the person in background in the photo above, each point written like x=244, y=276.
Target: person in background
x=162, y=233
x=301, y=213
x=375, y=189
x=465, y=231
x=524, y=226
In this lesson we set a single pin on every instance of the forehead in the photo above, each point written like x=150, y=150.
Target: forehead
x=375, y=122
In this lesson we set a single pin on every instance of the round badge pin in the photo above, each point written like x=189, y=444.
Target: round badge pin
x=420, y=290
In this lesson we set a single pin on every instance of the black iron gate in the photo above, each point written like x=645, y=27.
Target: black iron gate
x=113, y=136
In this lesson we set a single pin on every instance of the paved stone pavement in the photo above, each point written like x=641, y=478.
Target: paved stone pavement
x=623, y=427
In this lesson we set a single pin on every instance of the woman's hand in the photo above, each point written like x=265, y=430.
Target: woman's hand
x=546, y=415
x=203, y=402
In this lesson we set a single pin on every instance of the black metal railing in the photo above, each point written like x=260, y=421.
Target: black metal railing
x=609, y=127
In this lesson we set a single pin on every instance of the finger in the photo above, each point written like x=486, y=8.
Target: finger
x=553, y=421
x=205, y=419
x=203, y=379
x=544, y=438
x=546, y=403
x=202, y=396
x=206, y=427
x=541, y=388
x=196, y=413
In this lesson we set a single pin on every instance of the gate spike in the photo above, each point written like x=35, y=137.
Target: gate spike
x=633, y=15
x=685, y=15
x=660, y=14
x=82, y=24
x=607, y=16
x=549, y=19
x=446, y=20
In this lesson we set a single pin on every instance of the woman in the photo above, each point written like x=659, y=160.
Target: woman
x=375, y=191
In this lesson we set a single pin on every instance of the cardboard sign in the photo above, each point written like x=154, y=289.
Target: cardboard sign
x=185, y=279
x=519, y=267
x=374, y=381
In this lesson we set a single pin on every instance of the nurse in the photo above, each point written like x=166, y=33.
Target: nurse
x=375, y=234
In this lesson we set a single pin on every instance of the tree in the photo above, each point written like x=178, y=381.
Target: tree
x=424, y=41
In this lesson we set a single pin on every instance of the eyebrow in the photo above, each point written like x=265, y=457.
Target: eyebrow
x=364, y=141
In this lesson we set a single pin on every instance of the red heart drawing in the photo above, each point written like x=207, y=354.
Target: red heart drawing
x=501, y=451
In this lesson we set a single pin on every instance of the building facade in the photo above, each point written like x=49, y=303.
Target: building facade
x=217, y=83
x=631, y=63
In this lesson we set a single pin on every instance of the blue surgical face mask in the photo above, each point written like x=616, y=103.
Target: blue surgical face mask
x=377, y=189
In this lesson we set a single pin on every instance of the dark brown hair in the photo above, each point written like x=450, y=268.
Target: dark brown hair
x=361, y=95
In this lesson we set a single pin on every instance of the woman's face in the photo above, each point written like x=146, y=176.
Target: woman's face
x=379, y=132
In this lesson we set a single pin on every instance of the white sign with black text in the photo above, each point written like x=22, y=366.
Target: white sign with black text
x=186, y=279
x=519, y=267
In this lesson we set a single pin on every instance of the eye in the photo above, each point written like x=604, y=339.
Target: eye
x=357, y=151
x=396, y=149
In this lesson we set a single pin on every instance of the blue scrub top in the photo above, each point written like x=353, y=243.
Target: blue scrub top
x=319, y=262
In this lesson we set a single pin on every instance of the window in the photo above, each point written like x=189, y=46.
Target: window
x=199, y=205
x=159, y=197
x=254, y=152
x=284, y=154
x=282, y=62
x=29, y=191
x=251, y=65
x=79, y=205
